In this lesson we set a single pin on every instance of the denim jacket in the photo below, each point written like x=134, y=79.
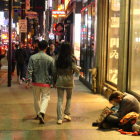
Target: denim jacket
x=40, y=68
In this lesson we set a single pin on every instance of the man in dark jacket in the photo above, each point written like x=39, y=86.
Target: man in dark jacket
x=21, y=57
x=2, y=55
x=35, y=45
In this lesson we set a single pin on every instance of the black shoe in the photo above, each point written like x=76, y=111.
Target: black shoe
x=95, y=124
x=41, y=118
x=36, y=118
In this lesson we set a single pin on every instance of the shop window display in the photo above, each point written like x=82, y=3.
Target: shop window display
x=113, y=41
x=134, y=45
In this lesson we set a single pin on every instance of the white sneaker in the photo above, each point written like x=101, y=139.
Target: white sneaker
x=20, y=82
x=68, y=118
x=59, y=122
x=23, y=79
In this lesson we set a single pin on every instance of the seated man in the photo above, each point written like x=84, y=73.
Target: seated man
x=127, y=103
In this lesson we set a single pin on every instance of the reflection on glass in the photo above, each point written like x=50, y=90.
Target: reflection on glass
x=134, y=77
x=113, y=41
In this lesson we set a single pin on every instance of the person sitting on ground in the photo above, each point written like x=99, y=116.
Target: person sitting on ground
x=127, y=103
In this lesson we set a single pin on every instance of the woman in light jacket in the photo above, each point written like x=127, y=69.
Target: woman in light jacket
x=65, y=68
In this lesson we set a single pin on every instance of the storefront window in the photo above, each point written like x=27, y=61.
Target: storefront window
x=87, y=41
x=134, y=67
x=113, y=41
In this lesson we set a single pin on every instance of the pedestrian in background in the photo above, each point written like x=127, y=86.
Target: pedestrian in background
x=51, y=50
x=28, y=51
x=13, y=57
x=35, y=46
x=65, y=68
x=40, y=70
x=57, y=47
x=21, y=57
x=2, y=55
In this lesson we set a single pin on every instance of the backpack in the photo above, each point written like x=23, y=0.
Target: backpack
x=127, y=122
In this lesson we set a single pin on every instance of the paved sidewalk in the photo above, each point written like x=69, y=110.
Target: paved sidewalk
x=16, y=113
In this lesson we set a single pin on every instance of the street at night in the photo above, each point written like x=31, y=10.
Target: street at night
x=69, y=69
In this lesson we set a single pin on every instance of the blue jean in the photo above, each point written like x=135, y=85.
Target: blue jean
x=60, y=92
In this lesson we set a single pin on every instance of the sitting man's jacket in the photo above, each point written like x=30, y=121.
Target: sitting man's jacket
x=128, y=104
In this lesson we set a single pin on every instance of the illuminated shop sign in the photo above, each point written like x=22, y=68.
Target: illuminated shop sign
x=84, y=1
x=57, y=13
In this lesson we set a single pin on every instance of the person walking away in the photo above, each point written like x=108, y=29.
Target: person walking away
x=28, y=52
x=65, y=68
x=13, y=58
x=21, y=57
x=57, y=47
x=51, y=50
x=40, y=69
x=35, y=46
x=2, y=55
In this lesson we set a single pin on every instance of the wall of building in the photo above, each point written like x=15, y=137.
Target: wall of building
x=123, y=50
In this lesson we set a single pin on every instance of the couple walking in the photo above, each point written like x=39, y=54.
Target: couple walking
x=41, y=69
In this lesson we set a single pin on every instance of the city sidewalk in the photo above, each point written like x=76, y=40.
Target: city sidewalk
x=16, y=113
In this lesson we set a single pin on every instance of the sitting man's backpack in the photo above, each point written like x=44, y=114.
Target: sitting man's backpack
x=128, y=121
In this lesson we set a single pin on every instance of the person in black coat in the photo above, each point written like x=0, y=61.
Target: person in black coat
x=21, y=58
x=2, y=55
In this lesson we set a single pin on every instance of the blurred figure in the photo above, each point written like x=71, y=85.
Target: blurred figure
x=35, y=46
x=51, y=50
x=13, y=57
x=21, y=58
x=65, y=68
x=28, y=52
x=57, y=47
x=2, y=55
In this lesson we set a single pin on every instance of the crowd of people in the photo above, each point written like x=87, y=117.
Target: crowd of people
x=22, y=52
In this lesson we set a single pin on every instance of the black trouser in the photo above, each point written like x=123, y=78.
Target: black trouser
x=13, y=66
x=0, y=64
x=112, y=120
x=21, y=70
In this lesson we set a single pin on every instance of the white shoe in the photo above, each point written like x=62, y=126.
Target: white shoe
x=20, y=82
x=23, y=79
x=68, y=118
x=59, y=122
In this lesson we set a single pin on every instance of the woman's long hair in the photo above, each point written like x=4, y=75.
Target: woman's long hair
x=65, y=56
